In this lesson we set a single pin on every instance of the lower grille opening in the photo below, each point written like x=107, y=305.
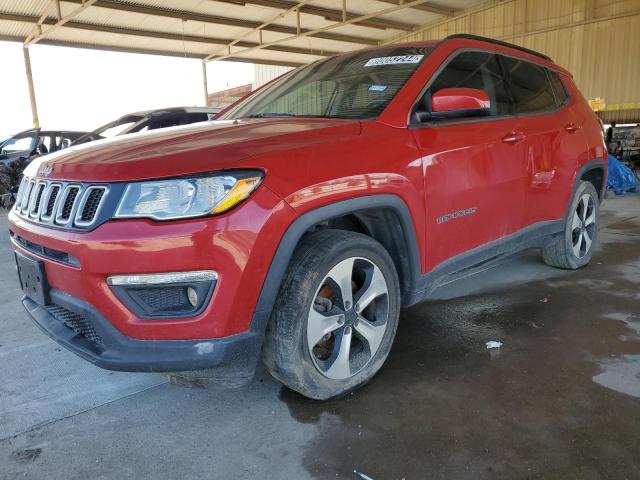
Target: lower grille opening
x=50, y=253
x=177, y=300
x=164, y=299
x=76, y=322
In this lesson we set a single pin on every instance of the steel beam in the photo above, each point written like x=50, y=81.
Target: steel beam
x=293, y=8
x=61, y=21
x=205, y=83
x=147, y=51
x=162, y=35
x=326, y=13
x=428, y=7
x=218, y=20
x=318, y=30
x=32, y=91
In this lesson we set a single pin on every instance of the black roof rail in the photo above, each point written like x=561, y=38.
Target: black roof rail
x=468, y=36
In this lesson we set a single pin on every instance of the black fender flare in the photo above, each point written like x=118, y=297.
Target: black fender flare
x=598, y=163
x=295, y=231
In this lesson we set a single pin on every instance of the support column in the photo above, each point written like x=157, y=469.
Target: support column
x=205, y=82
x=32, y=92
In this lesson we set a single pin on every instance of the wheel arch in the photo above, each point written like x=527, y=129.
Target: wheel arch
x=384, y=217
x=591, y=171
x=595, y=172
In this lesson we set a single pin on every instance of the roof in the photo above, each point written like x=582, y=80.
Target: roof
x=276, y=32
x=467, y=36
x=169, y=110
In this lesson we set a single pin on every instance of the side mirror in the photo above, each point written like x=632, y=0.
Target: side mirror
x=460, y=102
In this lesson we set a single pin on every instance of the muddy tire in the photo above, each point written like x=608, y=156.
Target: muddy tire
x=335, y=317
x=574, y=248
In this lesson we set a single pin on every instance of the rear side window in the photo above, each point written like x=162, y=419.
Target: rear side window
x=476, y=70
x=558, y=87
x=530, y=86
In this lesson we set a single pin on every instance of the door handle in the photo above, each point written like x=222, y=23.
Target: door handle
x=571, y=128
x=512, y=138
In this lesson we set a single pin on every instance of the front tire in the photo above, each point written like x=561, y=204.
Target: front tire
x=574, y=248
x=336, y=315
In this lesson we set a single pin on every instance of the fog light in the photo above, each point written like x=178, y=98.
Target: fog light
x=192, y=295
x=165, y=295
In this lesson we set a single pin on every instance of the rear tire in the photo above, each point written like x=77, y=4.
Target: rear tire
x=574, y=248
x=335, y=317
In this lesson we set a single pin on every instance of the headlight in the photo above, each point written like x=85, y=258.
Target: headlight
x=187, y=197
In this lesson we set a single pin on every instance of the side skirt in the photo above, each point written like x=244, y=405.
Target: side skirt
x=482, y=257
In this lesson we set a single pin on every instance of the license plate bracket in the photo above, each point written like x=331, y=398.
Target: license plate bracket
x=33, y=278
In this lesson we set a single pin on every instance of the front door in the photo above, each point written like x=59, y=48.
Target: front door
x=474, y=168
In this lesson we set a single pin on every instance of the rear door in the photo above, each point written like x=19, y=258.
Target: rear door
x=553, y=138
x=474, y=167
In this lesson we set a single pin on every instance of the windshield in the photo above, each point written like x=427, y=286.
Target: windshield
x=114, y=130
x=358, y=85
x=18, y=144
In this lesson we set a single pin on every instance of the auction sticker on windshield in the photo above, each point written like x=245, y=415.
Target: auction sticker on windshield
x=398, y=59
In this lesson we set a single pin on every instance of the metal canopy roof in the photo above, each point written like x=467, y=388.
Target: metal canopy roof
x=275, y=32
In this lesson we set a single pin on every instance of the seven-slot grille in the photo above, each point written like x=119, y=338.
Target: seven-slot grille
x=63, y=204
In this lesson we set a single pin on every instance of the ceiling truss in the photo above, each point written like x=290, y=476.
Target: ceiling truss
x=289, y=22
x=32, y=39
x=301, y=34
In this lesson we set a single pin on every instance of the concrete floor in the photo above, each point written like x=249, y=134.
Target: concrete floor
x=560, y=399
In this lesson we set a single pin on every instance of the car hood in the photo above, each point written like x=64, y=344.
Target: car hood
x=184, y=150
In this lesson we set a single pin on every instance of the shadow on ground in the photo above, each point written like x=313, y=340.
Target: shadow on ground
x=446, y=407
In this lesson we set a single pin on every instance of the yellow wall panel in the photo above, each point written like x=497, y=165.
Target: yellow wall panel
x=597, y=40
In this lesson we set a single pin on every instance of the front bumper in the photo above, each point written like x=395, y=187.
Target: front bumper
x=228, y=333
x=91, y=336
x=238, y=245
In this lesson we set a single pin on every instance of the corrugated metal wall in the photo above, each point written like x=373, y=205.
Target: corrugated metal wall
x=266, y=73
x=597, y=40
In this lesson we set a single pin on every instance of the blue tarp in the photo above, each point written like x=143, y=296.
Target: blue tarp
x=621, y=177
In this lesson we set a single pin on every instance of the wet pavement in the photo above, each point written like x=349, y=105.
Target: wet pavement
x=559, y=400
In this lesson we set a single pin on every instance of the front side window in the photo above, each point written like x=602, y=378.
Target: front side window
x=21, y=144
x=479, y=70
x=358, y=85
x=530, y=86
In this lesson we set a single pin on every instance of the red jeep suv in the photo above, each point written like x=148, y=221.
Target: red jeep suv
x=297, y=224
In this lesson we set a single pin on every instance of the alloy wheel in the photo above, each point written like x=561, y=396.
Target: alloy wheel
x=583, y=226
x=348, y=318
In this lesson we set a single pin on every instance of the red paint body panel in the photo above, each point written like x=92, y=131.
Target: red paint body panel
x=505, y=173
x=183, y=150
